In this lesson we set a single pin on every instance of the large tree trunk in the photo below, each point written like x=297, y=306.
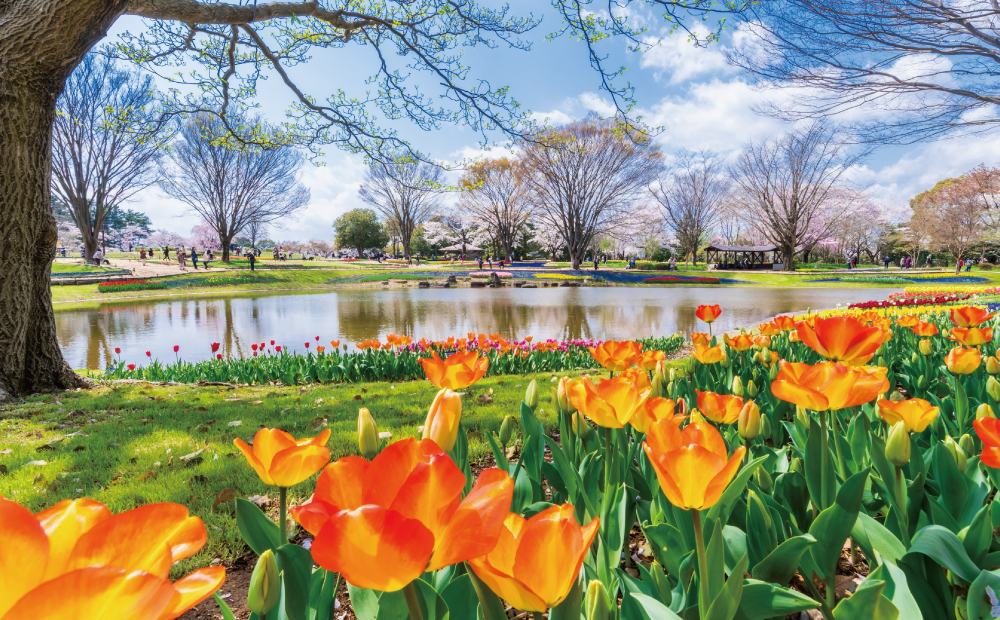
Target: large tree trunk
x=788, y=259
x=41, y=41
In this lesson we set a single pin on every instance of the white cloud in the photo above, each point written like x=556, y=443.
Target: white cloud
x=596, y=103
x=681, y=59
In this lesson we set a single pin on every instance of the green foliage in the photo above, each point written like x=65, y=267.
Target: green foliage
x=360, y=229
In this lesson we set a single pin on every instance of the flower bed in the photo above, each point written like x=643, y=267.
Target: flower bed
x=907, y=302
x=119, y=286
x=687, y=280
x=911, y=292
x=558, y=276
x=487, y=274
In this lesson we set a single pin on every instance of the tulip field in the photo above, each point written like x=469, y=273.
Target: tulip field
x=842, y=464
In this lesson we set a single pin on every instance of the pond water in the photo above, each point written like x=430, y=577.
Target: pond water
x=88, y=337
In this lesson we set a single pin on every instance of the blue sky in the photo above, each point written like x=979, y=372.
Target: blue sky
x=700, y=102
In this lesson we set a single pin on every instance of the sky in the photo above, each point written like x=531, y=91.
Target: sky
x=698, y=101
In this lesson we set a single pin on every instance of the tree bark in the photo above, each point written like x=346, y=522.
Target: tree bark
x=788, y=259
x=41, y=42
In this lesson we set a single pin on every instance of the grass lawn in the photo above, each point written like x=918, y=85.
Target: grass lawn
x=77, y=267
x=132, y=444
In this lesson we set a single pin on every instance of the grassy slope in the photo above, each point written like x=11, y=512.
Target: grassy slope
x=134, y=435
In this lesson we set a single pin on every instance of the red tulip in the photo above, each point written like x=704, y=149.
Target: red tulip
x=307, y=345
x=253, y=346
x=317, y=338
x=131, y=366
x=215, y=347
x=117, y=350
x=177, y=348
x=272, y=343
x=148, y=354
x=218, y=356
x=255, y=354
x=262, y=346
x=278, y=348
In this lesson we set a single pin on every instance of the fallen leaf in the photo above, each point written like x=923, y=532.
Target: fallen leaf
x=3, y=469
x=79, y=448
x=484, y=399
x=199, y=478
x=236, y=423
x=149, y=475
x=78, y=434
x=317, y=423
x=5, y=452
x=261, y=501
x=257, y=402
x=357, y=397
x=225, y=495
x=39, y=463
x=192, y=456
x=201, y=409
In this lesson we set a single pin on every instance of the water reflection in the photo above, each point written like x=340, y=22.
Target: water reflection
x=89, y=337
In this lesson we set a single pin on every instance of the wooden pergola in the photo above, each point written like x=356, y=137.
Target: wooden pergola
x=742, y=256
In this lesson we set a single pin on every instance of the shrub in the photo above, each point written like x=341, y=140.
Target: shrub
x=129, y=285
x=985, y=266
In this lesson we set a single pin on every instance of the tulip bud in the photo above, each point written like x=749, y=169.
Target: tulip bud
x=368, y=441
x=692, y=363
x=264, y=584
x=960, y=458
x=796, y=465
x=670, y=390
x=765, y=426
x=914, y=358
x=752, y=390
x=696, y=417
x=531, y=395
x=661, y=371
x=657, y=387
x=754, y=500
x=897, y=446
x=673, y=375
x=765, y=355
x=443, y=419
x=580, y=427
x=993, y=388
x=596, y=602
x=725, y=362
x=984, y=411
x=992, y=365
x=773, y=373
x=737, y=386
x=749, y=421
x=682, y=406
x=764, y=480
x=926, y=347
x=506, y=430
x=562, y=396
x=922, y=382
x=660, y=580
x=754, y=374
x=967, y=445
x=801, y=414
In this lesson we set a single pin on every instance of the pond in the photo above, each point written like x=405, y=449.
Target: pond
x=88, y=337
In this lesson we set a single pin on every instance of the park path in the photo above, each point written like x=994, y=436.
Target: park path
x=155, y=269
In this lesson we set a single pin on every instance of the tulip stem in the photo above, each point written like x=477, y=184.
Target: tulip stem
x=282, y=514
x=537, y=615
x=836, y=443
x=412, y=603
x=824, y=441
x=904, y=528
x=607, y=462
x=699, y=538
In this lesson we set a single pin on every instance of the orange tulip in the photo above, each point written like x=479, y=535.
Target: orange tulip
x=774, y=357
x=281, y=460
x=970, y=316
x=648, y=360
x=908, y=320
x=741, y=342
x=335, y=344
x=972, y=336
x=691, y=464
x=719, y=408
x=457, y=372
x=699, y=338
x=828, y=385
x=988, y=430
x=841, y=339
x=708, y=314
x=382, y=524
x=77, y=560
x=536, y=560
x=443, y=419
x=640, y=378
x=784, y=323
x=709, y=355
x=793, y=336
x=654, y=410
x=768, y=329
x=762, y=341
x=915, y=413
x=610, y=403
x=616, y=356
x=923, y=329
x=962, y=361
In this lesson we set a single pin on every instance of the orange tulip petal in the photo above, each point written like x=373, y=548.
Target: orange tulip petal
x=96, y=593
x=518, y=595
x=475, y=527
x=270, y=441
x=388, y=471
x=64, y=523
x=293, y=465
x=706, y=436
x=664, y=436
x=988, y=430
x=149, y=538
x=339, y=483
x=547, y=551
x=258, y=467
x=24, y=551
x=374, y=548
x=431, y=493
x=314, y=514
x=722, y=479
x=193, y=589
x=318, y=440
x=694, y=467
x=799, y=395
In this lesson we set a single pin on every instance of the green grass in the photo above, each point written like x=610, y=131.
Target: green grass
x=78, y=268
x=123, y=444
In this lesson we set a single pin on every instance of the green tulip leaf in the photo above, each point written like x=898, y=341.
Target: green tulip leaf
x=654, y=609
x=779, y=566
x=833, y=526
x=724, y=507
x=763, y=601
x=942, y=546
x=259, y=532
x=873, y=537
x=897, y=590
x=978, y=603
x=295, y=564
x=727, y=601
x=867, y=603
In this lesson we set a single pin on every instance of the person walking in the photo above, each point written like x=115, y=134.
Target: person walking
x=166, y=252
x=142, y=256
x=182, y=258
x=886, y=261
x=194, y=257
x=597, y=261
x=251, y=258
